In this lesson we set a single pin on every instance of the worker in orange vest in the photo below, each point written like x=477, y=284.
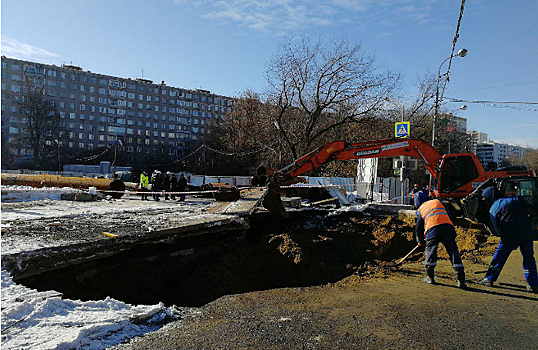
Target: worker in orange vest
x=434, y=226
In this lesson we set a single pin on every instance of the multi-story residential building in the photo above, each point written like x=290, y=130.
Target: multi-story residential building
x=476, y=138
x=152, y=123
x=493, y=153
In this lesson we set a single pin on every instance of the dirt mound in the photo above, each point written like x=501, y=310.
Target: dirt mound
x=392, y=238
x=470, y=243
x=287, y=247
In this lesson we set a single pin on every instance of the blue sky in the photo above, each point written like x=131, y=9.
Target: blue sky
x=224, y=46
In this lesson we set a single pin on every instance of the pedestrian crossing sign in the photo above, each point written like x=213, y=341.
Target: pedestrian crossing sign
x=401, y=129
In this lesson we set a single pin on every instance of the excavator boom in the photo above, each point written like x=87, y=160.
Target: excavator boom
x=341, y=150
x=455, y=175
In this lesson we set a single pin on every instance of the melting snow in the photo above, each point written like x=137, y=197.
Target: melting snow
x=33, y=320
x=43, y=320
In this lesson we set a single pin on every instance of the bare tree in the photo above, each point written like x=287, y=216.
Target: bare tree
x=39, y=124
x=236, y=143
x=8, y=159
x=323, y=86
x=529, y=160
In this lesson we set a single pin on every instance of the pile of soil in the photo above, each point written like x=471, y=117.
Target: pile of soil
x=339, y=250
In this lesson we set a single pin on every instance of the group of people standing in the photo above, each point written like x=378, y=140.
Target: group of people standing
x=162, y=183
x=509, y=220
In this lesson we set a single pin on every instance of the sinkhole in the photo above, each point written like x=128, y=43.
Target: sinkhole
x=306, y=249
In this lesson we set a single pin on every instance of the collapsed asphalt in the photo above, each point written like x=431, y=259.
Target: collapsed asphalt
x=321, y=281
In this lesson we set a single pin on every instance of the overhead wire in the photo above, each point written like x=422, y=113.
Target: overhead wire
x=454, y=41
x=216, y=151
x=86, y=159
x=498, y=104
x=484, y=101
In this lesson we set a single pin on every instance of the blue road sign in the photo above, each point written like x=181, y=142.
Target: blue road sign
x=402, y=129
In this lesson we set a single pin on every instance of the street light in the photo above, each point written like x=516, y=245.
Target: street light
x=461, y=53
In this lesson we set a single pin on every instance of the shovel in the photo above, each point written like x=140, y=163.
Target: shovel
x=411, y=252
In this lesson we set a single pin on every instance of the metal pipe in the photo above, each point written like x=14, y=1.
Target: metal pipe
x=48, y=180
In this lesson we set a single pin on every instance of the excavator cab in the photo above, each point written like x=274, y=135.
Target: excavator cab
x=521, y=186
x=457, y=175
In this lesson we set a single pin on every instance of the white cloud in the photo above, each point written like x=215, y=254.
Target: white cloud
x=16, y=49
x=353, y=5
x=419, y=14
x=303, y=14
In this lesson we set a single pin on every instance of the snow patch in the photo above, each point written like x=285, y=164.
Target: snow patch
x=29, y=194
x=31, y=321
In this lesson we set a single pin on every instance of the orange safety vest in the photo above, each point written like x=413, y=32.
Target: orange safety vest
x=434, y=213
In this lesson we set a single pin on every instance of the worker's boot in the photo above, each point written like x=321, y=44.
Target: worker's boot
x=430, y=273
x=486, y=282
x=461, y=280
x=532, y=289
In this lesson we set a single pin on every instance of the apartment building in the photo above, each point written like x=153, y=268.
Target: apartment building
x=146, y=121
x=491, y=152
x=476, y=138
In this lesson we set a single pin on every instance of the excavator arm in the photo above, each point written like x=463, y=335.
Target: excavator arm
x=456, y=174
x=341, y=150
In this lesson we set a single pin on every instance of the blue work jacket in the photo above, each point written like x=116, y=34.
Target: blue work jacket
x=509, y=219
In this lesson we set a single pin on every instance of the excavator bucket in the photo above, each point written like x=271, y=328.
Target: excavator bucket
x=272, y=202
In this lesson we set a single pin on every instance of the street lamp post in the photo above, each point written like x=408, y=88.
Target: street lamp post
x=461, y=53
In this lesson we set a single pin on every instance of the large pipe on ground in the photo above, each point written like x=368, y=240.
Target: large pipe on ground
x=48, y=180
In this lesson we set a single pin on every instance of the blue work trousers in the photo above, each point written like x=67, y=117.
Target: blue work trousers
x=503, y=252
x=448, y=238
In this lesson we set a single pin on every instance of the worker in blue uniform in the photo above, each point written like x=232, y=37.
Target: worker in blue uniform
x=434, y=226
x=510, y=221
x=420, y=196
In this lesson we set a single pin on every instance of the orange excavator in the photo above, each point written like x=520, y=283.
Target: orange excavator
x=454, y=176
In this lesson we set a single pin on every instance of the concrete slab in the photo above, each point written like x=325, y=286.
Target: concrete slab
x=250, y=199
